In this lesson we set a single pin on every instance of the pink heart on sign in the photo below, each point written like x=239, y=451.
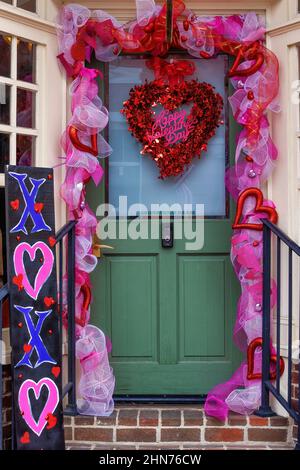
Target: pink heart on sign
x=44, y=271
x=49, y=408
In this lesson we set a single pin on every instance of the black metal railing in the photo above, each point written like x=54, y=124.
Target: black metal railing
x=65, y=242
x=276, y=242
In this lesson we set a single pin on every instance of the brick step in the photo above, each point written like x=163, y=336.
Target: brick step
x=175, y=427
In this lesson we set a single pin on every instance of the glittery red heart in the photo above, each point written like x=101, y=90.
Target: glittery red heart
x=173, y=159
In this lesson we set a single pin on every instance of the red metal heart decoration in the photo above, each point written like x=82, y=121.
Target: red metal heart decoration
x=49, y=301
x=52, y=241
x=93, y=150
x=25, y=439
x=251, y=375
x=259, y=60
x=259, y=207
x=38, y=207
x=27, y=348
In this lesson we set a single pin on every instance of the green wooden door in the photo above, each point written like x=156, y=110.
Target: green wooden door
x=168, y=311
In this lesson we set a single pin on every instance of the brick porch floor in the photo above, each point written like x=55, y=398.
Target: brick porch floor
x=150, y=427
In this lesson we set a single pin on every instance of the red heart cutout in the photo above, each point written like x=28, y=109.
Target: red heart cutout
x=179, y=140
x=27, y=348
x=93, y=150
x=20, y=325
x=18, y=281
x=38, y=207
x=251, y=375
x=49, y=301
x=51, y=420
x=15, y=204
x=52, y=241
x=259, y=207
x=25, y=439
x=55, y=371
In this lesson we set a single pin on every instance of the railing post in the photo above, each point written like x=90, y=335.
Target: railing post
x=71, y=408
x=265, y=409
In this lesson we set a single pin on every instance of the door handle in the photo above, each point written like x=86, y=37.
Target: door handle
x=167, y=234
x=97, y=247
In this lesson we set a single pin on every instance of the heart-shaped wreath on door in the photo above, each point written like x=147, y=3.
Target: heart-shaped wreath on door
x=173, y=138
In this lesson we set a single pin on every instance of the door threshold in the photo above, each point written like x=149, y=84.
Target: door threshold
x=161, y=399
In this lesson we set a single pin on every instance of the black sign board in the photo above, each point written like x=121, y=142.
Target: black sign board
x=34, y=325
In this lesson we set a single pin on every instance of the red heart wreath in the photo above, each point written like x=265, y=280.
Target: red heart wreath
x=204, y=118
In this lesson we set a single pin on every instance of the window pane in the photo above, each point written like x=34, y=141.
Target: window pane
x=135, y=176
x=4, y=104
x=25, y=108
x=26, y=61
x=29, y=5
x=5, y=48
x=4, y=151
x=25, y=150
